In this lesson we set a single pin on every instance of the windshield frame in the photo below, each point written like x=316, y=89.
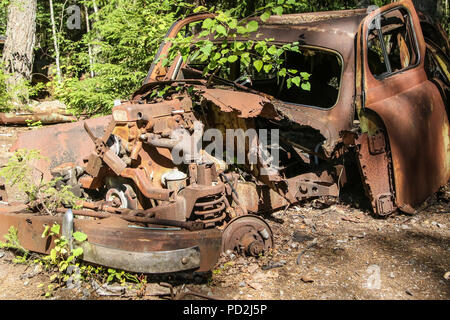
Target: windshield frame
x=337, y=54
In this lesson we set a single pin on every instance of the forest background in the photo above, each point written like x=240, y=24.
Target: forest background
x=105, y=53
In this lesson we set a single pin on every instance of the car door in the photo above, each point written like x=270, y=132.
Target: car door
x=395, y=95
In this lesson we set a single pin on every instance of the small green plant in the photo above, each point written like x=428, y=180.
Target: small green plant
x=224, y=267
x=16, y=97
x=43, y=195
x=64, y=264
x=62, y=256
x=34, y=124
x=68, y=268
x=12, y=243
x=121, y=276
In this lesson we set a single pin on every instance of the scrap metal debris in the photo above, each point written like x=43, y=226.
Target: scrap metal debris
x=309, y=246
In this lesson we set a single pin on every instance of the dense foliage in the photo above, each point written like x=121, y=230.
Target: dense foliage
x=124, y=38
x=107, y=57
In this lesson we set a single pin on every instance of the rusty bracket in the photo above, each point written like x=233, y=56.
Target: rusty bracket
x=104, y=153
x=377, y=143
x=375, y=166
x=300, y=189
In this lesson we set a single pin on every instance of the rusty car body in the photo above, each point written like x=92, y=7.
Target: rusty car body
x=376, y=114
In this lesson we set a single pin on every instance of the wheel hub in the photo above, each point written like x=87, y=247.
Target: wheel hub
x=248, y=235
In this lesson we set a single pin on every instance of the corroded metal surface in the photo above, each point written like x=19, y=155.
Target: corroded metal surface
x=300, y=18
x=376, y=171
x=413, y=112
x=64, y=143
x=245, y=104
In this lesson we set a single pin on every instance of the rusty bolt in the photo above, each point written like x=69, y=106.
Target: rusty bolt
x=185, y=260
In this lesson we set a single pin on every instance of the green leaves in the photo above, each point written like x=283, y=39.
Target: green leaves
x=208, y=23
x=252, y=26
x=267, y=68
x=245, y=59
x=206, y=49
x=254, y=55
x=79, y=236
x=77, y=252
x=306, y=86
x=221, y=31
x=272, y=50
x=53, y=254
x=124, y=37
x=200, y=9
x=265, y=16
x=278, y=10
x=232, y=58
x=258, y=64
x=46, y=230
x=300, y=81
x=55, y=229
x=241, y=30
x=305, y=75
x=296, y=81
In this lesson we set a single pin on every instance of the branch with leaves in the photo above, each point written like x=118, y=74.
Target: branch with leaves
x=224, y=40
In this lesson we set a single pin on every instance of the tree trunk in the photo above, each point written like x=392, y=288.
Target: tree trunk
x=55, y=41
x=18, y=55
x=95, y=47
x=95, y=9
x=88, y=29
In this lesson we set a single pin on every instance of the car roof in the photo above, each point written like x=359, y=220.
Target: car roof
x=335, y=30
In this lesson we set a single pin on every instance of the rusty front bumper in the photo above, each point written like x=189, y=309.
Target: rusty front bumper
x=115, y=243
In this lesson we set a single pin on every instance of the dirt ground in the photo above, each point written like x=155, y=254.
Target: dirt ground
x=322, y=250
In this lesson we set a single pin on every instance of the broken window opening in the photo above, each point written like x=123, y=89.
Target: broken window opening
x=391, y=43
x=324, y=66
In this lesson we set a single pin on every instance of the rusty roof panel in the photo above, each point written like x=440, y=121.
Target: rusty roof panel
x=299, y=18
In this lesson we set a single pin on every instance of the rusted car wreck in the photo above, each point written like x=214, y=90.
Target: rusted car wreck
x=377, y=112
